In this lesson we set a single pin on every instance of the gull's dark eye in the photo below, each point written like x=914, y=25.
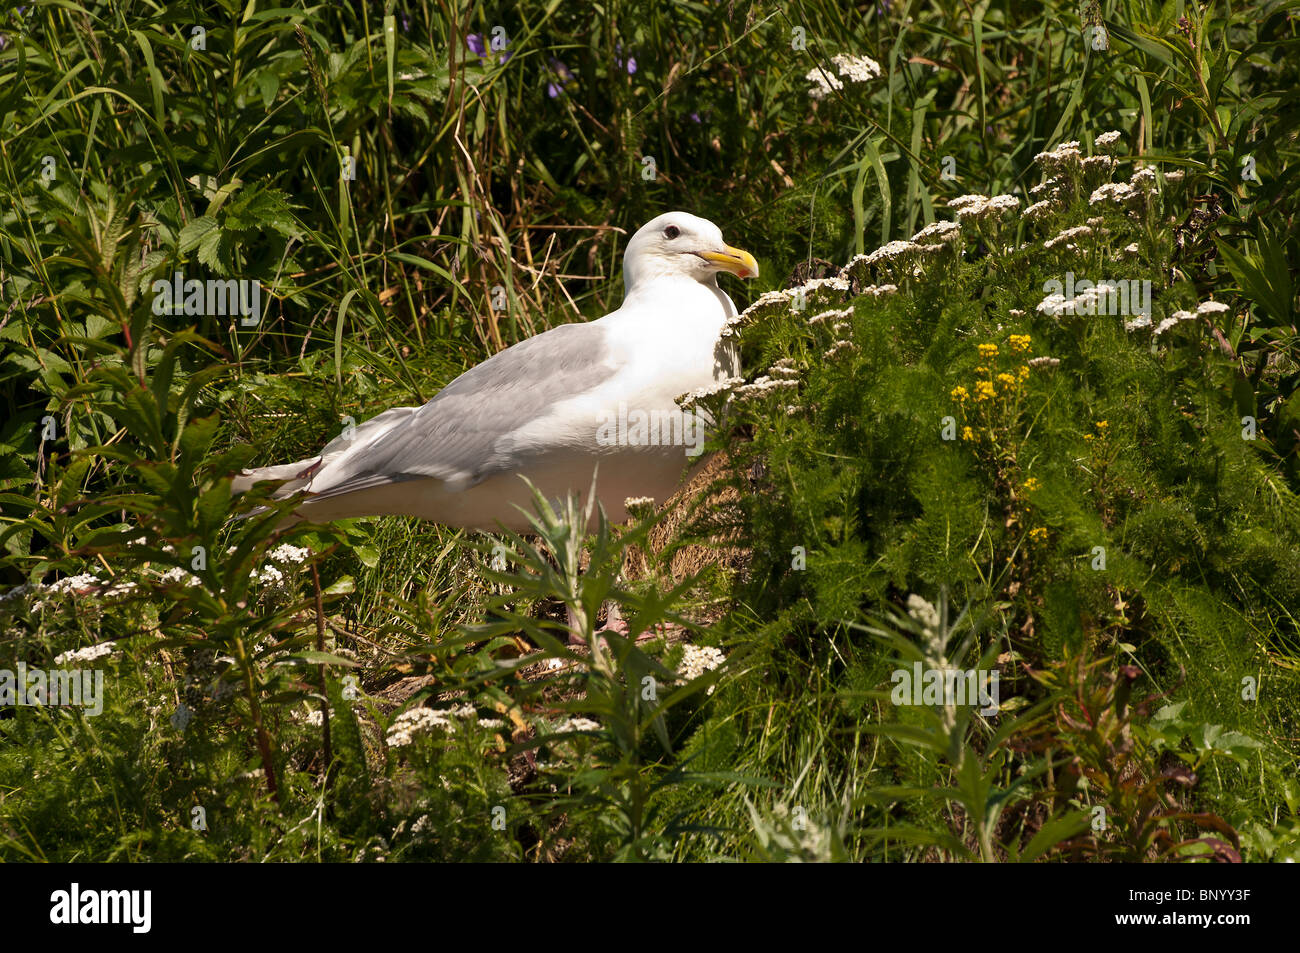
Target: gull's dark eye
x=672, y=231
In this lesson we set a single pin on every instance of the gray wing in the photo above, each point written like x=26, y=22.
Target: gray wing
x=458, y=435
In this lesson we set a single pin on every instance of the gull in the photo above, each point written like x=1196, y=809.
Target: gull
x=580, y=402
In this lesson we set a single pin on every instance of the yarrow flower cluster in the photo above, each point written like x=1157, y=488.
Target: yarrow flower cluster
x=414, y=722
x=1064, y=156
x=762, y=386
x=891, y=251
x=824, y=83
x=838, y=348
x=88, y=654
x=878, y=291
x=939, y=231
x=1117, y=192
x=313, y=718
x=1144, y=177
x=1068, y=236
x=1178, y=317
x=923, y=613
x=698, y=659
x=689, y=400
x=287, y=554
x=1097, y=164
x=284, y=554
x=1086, y=302
x=1172, y=320
x=73, y=584
x=855, y=69
x=817, y=286
x=1108, y=139
x=972, y=200
x=576, y=724
x=769, y=303
x=639, y=505
x=82, y=584
x=898, y=256
x=978, y=207
x=1038, y=210
x=831, y=316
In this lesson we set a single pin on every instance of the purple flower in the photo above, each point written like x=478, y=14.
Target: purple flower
x=475, y=42
x=618, y=60
x=695, y=117
x=562, y=74
x=406, y=23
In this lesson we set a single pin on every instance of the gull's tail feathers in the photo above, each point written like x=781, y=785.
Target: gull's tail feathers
x=297, y=474
x=300, y=474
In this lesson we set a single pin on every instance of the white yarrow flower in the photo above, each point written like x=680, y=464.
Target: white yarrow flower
x=923, y=612
x=1038, y=210
x=285, y=553
x=88, y=654
x=698, y=659
x=823, y=83
x=1107, y=139
x=1068, y=236
x=940, y=231
x=1112, y=192
x=856, y=69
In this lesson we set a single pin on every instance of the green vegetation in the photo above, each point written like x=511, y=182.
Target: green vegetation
x=933, y=461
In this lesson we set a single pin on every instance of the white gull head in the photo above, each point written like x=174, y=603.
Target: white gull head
x=679, y=244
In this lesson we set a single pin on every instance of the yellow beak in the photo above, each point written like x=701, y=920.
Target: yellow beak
x=739, y=263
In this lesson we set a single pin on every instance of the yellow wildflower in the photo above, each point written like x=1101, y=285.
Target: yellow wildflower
x=1032, y=484
x=981, y=369
x=1087, y=436
x=1038, y=534
x=988, y=350
x=1007, y=380
x=960, y=393
x=984, y=390
x=1024, y=372
x=967, y=433
x=1102, y=424
x=1019, y=343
